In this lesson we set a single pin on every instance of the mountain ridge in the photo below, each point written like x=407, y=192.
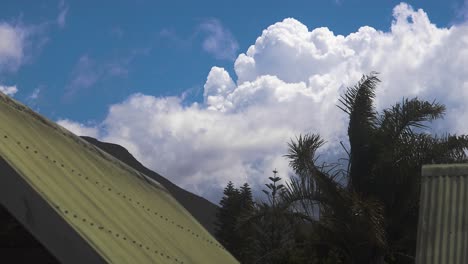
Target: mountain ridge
x=200, y=208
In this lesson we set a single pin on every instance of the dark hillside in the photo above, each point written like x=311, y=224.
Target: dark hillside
x=203, y=210
x=18, y=244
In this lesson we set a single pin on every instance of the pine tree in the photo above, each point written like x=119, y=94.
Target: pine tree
x=246, y=197
x=245, y=231
x=227, y=214
x=235, y=237
x=272, y=226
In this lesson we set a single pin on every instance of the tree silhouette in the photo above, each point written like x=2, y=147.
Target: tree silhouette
x=247, y=206
x=372, y=216
x=367, y=213
x=272, y=226
x=227, y=218
x=234, y=204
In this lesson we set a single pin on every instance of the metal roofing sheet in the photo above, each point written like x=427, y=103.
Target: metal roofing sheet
x=442, y=228
x=124, y=216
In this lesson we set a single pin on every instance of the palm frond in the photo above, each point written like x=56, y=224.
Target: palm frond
x=315, y=179
x=448, y=149
x=408, y=114
x=302, y=152
x=357, y=102
x=302, y=196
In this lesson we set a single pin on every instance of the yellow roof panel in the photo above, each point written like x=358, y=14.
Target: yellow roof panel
x=123, y=215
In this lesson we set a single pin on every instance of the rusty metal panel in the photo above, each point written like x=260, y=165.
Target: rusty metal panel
x=443, y=216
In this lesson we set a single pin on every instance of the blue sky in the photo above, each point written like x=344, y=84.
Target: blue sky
x=81, y=62
x=151, y=43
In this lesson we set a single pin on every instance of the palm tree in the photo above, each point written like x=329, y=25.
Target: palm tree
x=371, y=215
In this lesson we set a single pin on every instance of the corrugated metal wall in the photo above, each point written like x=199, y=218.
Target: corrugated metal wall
x=443, y=215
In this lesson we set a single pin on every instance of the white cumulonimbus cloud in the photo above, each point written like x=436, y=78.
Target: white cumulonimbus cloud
x=288, y=82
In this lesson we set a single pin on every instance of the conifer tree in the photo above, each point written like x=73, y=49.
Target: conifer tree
x=237, y=238
x=227, y=214
x=245, y=231
x=272, y=228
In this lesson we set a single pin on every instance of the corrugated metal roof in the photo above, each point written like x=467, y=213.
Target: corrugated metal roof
x=443, y=215
x=80, y=201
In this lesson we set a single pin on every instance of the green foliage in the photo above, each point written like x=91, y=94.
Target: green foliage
x=234, y=204
x=227, y=217
x=272, y=222
x=373, y=217
x=246, y=251
x=367, y=213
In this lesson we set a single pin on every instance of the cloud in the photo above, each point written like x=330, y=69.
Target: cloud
x=20, y=44
x=33, y=100
x=87, y=72
x=35, y=94
x=62, y=16
x=288, y=82
x=218, y=40
x=78, y=128
x=12, y=46
x=84, y=75
x=8, y=90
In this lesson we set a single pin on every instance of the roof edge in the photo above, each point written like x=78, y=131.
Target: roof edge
x=445, y=170
x=65, y=132
x=38, y=216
